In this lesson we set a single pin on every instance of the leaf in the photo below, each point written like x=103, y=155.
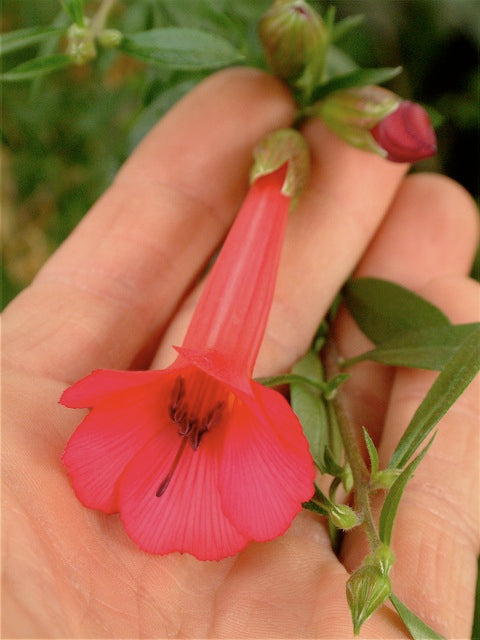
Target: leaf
x=382, y=309
x=341, y=28
x=75, y=9
x=157, y=108
x=338, y=62
x=308, y=405
x=22, y=38
x=372, y=452
x=425, y=348
x=450, y=384
x=355, y=78
x=390, y=506
x=181, y=48
x=418, y=629
x=36, y=67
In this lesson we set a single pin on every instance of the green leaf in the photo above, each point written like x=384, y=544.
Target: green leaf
x=372, y=452
x=418, y=629
x=390, y=506
x=382, y=309
x=450, y=384
x=75, y=9
x=36, y=67
x=425, y=348
x=338, y=62
x=22, y=38
x=181, y=48
x=308, y=404
x=341, y=28
x=355, y=78
x=151, y=114
x=290, y=378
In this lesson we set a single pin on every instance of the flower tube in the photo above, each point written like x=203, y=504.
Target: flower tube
x=198, y=457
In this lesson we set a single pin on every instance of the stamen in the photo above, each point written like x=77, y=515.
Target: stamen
x=193, y=417
x=213, y=417
x=177, y=407
x=166, y=481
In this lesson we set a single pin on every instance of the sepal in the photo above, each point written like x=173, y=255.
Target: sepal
x=281, y=147
x=352, y=113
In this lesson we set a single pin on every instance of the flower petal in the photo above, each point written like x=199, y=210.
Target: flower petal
x=102, y=383
x=188, y=516
x=108, y=438
x=266, y=468
x=406, y=134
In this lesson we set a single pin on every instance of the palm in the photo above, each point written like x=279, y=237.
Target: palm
x=102, y=302
x=85, y=577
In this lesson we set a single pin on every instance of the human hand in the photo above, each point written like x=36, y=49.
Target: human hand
x=118, y=294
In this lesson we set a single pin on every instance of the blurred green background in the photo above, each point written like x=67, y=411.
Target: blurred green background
x=64, y=136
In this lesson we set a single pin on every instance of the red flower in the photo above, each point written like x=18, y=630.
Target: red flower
x=406, y=134
x=199, y=458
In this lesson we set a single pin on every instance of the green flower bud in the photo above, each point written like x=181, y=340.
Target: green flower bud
x=367, y=590
x=81, y=45
x=343, y=516
x=278, y=148
x=384, y=478
x=110, y=38
x=382, y=558
x=352, y=113
x=294, y=37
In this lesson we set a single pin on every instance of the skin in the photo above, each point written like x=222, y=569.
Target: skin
x=120, y=291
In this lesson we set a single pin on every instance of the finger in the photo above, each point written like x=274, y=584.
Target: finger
x=436, y=531
x=115, y=282
x=431, y=230
x=348, y=194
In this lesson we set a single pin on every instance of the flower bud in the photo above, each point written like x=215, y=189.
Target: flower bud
x=375, y=119
x=81, y=45
x=343, y=516
x=351, y=113
x=294, y=37
x=384, y=478
x=278, y=148
x=367, y=589
x=382, y=558
x=406, y=135
x=110, y=38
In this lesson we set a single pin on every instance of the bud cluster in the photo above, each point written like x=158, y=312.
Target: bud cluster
x=81, y=40
x=296, y=41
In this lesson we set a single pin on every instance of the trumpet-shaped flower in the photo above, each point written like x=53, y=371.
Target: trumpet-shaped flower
x=198, y=457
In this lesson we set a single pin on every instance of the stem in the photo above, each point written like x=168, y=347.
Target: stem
x=100, y=17
x=289, y=378
x=360, y=472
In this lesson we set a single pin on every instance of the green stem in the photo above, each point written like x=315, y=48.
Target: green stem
x=360, y=472
x=100, y=17
x=288, y=378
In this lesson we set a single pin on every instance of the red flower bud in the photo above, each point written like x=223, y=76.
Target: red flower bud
x=406, y=134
